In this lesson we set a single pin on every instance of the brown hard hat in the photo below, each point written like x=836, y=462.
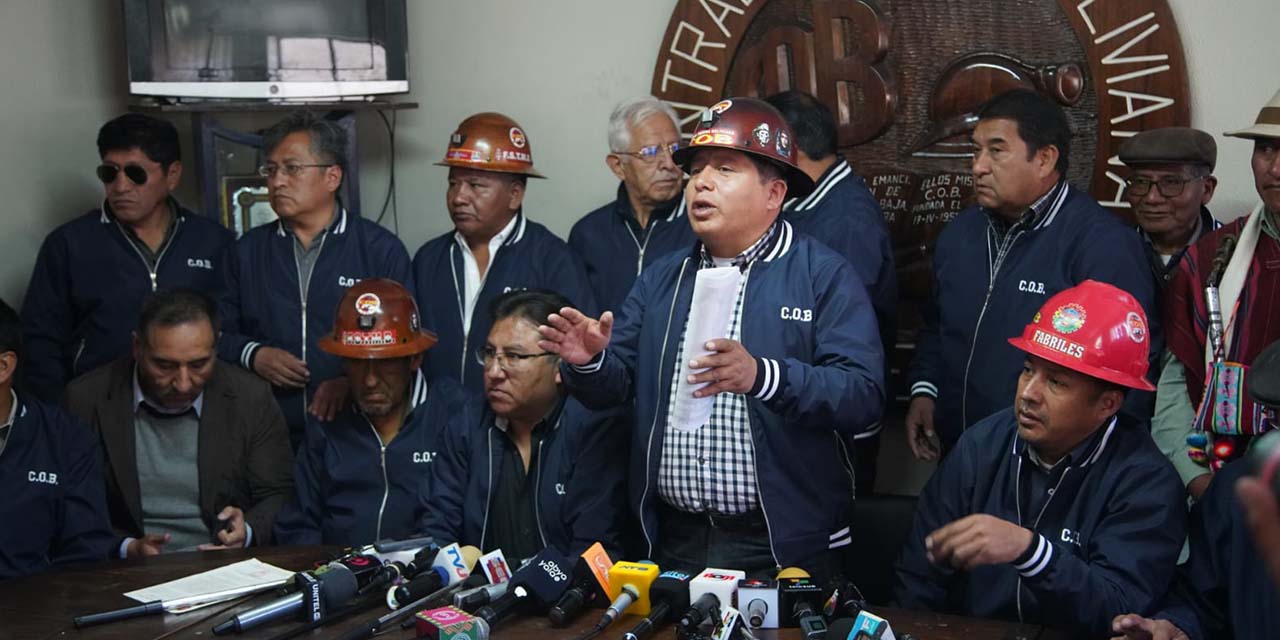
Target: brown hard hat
x=377, y=319
x=490, y=142
x=750, y=126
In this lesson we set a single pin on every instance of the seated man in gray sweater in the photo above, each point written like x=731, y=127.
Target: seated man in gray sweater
x=197, y=454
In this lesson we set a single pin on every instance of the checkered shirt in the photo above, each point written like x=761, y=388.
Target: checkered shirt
x=712, y=469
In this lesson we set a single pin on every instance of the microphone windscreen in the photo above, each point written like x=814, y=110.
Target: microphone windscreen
x=339, y=586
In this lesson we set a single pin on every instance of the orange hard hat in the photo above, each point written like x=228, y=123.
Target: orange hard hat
x=750, y=126
x=1094, y=328
x=490, y=142
x=377, y=318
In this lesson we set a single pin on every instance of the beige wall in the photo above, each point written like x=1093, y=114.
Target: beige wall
x=557, y=66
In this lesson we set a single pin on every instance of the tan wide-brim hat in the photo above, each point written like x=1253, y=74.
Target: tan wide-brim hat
x=1266, y=126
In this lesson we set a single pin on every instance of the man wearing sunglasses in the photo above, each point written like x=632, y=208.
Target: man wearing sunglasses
x=93, y=273
x=1170, y=184
x=286, y=278
x=647, y=220
x=532, y=468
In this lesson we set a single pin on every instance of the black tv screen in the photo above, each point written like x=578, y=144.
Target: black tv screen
x=302, y=49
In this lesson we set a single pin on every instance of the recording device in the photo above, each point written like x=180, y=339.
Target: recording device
x=394, y=570
x=590, y=585
x=330, y=587
x=450, y=623
x=866, y=625
x=800, y=602
x=759, y=602
x=710, y=592
x=536, y=585
x=669, y=595
x=442, y=572
x=450, y=567
x=730, y=625
x=629, y=584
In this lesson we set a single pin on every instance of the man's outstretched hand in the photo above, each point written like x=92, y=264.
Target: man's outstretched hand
x=573, y=336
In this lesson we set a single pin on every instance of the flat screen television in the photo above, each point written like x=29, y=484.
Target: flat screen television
x=274, y=49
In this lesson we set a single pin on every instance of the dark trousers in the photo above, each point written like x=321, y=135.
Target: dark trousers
x=691, y=542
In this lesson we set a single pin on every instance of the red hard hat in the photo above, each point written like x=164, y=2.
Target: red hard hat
x=377, y=319
x=1094, y=328
x=750, y=126
x=490, y=142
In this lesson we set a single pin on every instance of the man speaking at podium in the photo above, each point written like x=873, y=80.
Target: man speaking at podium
x=796, y=359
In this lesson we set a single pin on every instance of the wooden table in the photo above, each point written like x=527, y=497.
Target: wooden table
x=41, y=607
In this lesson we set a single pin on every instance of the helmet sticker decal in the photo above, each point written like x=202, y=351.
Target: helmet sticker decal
x=1069, y=318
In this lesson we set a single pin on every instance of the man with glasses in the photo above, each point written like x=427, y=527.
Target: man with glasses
x=92, y=273
x=1170, y=184
x=283, y=280
x=647, y=220
x=492, y=249
x=362, y=477
x=532, y=467
x=1203, y=420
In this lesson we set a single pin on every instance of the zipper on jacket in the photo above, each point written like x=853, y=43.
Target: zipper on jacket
x=648, y=233
x=386, y=484
x=75, y=361
x=537, y=486
x=488, y=499
x=303, y=288
x=662, y=356
x=755, y=460
x=151, y=270
x=462, y=310
x=1017, y=499
x=1001, y=254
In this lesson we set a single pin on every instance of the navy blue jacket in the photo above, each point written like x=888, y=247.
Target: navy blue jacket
x=963, y=357
x=262, y=302
x=614, y=249
x=807, y=320
x=531, y=258
x=579, y=482
x=54, y=508
x=843, y=214
x=1223, y=590
x=89, y=283
x=350, y=490
x=1108, y=535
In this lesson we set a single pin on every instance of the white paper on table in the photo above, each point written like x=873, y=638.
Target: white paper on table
x=715, y=291
x=243, y=577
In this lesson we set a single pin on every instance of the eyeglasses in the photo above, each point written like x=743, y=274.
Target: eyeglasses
x=653, y=151
x=107, y=173
x=506, y=361
x=1169, y=186
x=291, y=170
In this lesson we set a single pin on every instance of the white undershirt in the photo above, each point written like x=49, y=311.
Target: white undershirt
x=473, y=280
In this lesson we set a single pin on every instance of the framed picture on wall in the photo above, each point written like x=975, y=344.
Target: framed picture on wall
x=244, y=203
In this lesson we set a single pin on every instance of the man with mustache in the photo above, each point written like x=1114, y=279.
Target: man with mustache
x=197, y=452
x=533, y=467
x=798, y=366
x=647, y=220
x=363, y=476
x=93, y=273
x=1170, y=184
x=1247, y=287
x=1057, y=511
x=1029, y=236
x=493, y=248
x=284, y=279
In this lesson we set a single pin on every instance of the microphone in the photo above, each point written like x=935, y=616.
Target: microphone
x=866, y=625
x=495, y=567
x=629, y=584
x=590, y=584
x=329, y=587
x=396, y=570
x=729, y=626
x=450, y=623
x=710, y=592
x=801, y=599
x=668, y=594
x=450, y=567
x=538, y=584
x=761, y=603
